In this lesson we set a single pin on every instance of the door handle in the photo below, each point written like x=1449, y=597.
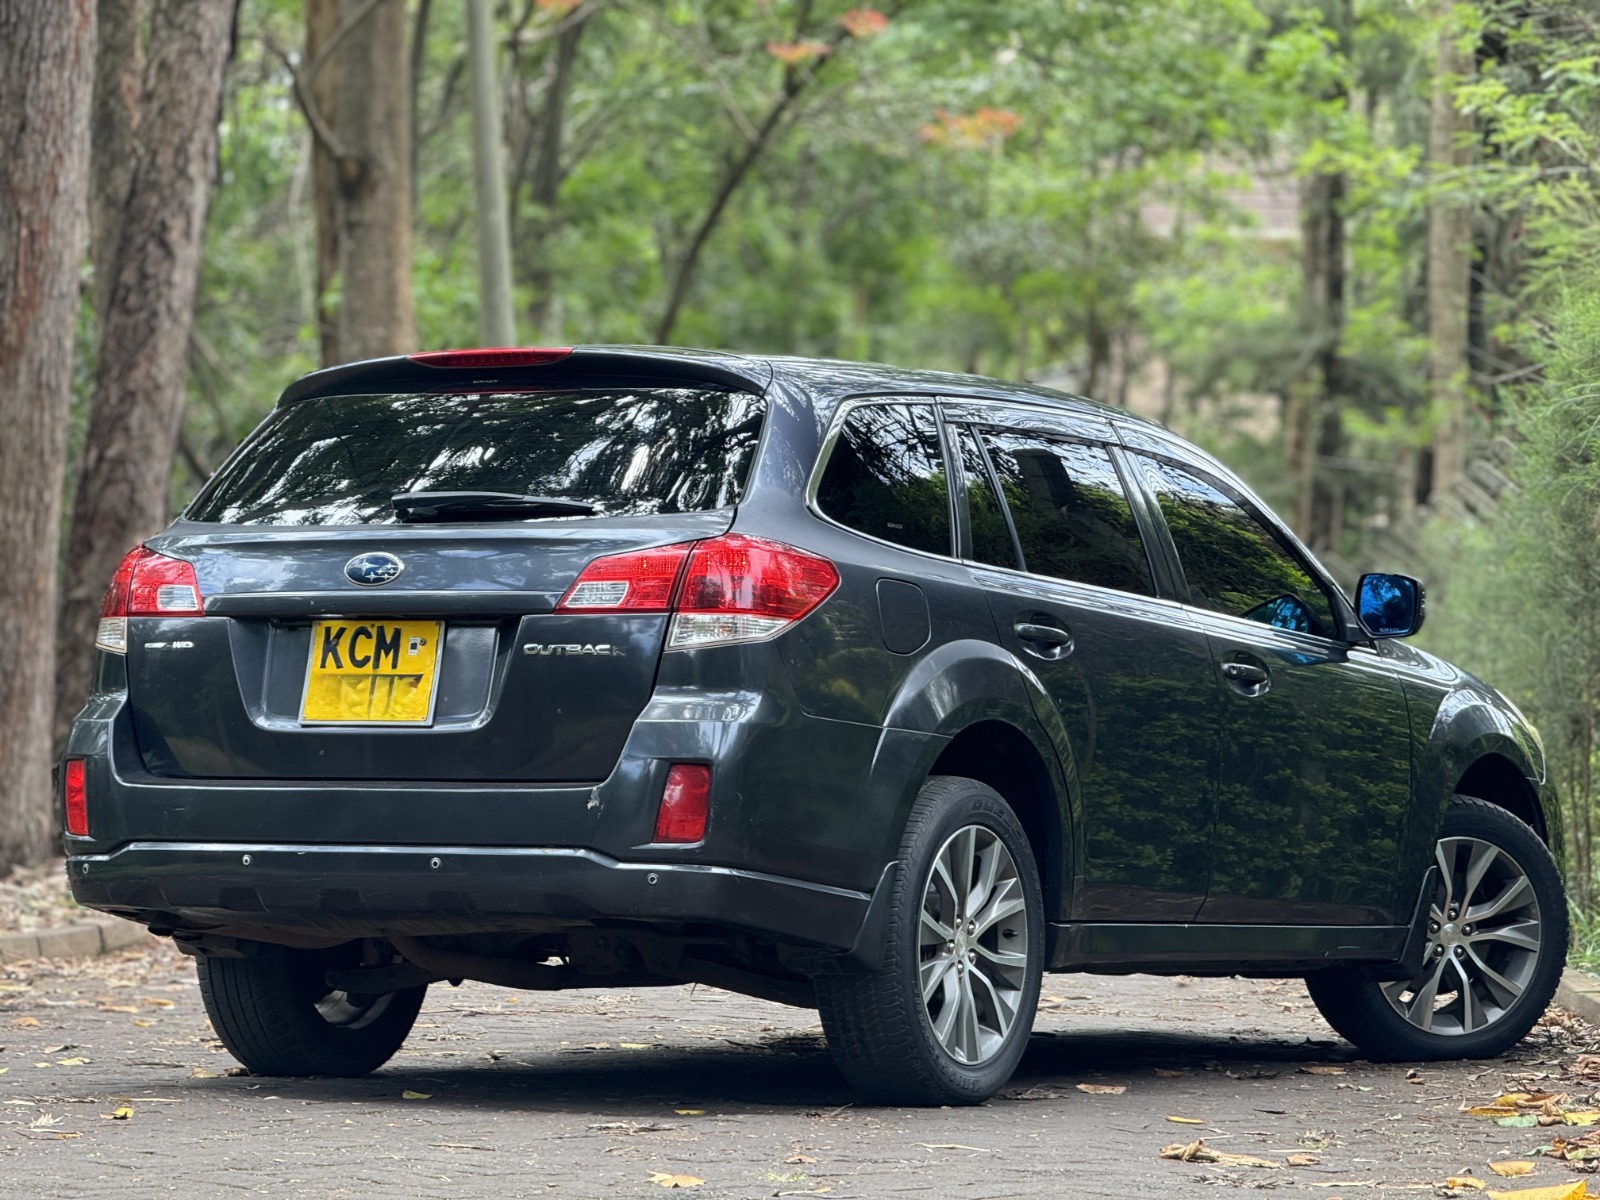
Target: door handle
x=1046, y=641
x=1247, y=677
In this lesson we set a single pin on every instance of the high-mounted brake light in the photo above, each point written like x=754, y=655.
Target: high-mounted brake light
x=505, y=356
x=75, y=794
x=685, y=803
x=726, y=589
x=146, y=584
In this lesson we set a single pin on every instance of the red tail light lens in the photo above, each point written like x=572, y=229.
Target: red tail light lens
x=726, y=589
x=76, y=795
x=745, y=589
x=685, y=803
x=505, y=356
x=639, y=581
x=146, y=584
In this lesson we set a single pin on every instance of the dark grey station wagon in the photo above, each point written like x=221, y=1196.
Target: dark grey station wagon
x=873, y=690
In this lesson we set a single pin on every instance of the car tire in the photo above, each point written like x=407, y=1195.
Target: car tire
x=275, y=1013
x=1494, y=955
x=945, y=1018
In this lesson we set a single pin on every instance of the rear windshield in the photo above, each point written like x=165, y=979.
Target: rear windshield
x=338, y=460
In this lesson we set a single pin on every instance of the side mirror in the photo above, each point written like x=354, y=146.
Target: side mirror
x=1390, y=606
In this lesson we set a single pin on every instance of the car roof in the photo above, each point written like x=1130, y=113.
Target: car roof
x=828, y=382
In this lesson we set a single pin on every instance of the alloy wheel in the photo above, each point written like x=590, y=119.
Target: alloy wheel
x=1484, y=938
x=973, y=945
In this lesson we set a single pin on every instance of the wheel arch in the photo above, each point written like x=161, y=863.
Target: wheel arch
x=999, y=755
x=1494, y=778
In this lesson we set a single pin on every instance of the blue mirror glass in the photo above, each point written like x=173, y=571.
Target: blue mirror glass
x=1389, y=605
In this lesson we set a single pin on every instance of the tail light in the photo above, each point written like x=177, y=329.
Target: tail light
x=745, y=589
x=685, y=803
x=146, y=584
x=639, y=581
x=76, y=795
x=720, y=591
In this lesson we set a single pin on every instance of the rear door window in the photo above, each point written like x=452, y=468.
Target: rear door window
x=991, y=539
x=886, y=477
x=338, y=460
x=1233, y=561
x=1071, y=514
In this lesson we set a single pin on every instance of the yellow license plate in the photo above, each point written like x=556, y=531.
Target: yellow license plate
x=372, y=672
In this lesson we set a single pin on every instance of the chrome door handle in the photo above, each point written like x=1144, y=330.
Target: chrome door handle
x=1247, y=677
x=1046, y=641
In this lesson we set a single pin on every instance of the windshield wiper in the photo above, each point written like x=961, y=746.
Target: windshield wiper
x=484, y=506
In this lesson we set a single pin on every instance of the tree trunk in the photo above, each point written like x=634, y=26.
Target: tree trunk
x=373, y=132
x=142, y=360
x=113, y=138
x=322, y=92
x=545, y=190
x=46, y=81
x=1322, y=300
x=1449, y=267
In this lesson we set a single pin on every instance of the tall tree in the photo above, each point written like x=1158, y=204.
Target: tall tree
x=113, y=139
x=46, y=75
x=1449, y=260
x=373, y=128
x=142, y=358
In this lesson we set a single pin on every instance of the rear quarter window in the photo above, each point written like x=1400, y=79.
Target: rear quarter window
x=337, y=460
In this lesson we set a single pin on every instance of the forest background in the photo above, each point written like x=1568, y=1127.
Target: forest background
x=1351, y=246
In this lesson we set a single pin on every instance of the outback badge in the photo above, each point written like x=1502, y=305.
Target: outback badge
x=373, y=568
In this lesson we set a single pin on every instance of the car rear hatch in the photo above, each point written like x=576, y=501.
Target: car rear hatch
x=341, y=641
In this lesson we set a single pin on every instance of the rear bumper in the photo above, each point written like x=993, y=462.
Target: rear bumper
x=245, y=890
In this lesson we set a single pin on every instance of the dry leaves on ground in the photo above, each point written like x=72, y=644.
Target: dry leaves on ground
x=1103, y=1089
x=1198, y=1152
x=1527, y=1109
x=1560, y=1191
x=1512, y=1169
x=1321, y=1069
x=675, y=1181
x=1583, y=1148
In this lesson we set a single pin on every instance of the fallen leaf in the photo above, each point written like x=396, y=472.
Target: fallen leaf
x=1302, y=1160
x=122, y=1114
x=675, y=1181
x=1465, y=1181
x=408, y=1094
x=690, y=1112
x=15, y=987
x=1169, y=1073
x=118, y=1008
x=72, y=1062
x=1103, y=1089
x=1560, y=1191
x=798, y=1158
x=156, y=1001
x=61, y=1049
x=1520, y=1121
x=202, y=1073
x=25, y=1023
x=1186, y=1120
x=3, y=1070
x=1319, y=1069
x=1511, y=1169
x=1581, y=1117
x=142, y=1023
x=637, y=1045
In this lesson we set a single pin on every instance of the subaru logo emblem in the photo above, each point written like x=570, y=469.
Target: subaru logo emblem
x=372, y=569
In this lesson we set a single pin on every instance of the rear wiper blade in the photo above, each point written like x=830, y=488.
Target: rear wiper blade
x=468, y=506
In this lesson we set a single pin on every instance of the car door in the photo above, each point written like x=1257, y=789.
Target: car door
x=1316, y=746
x=1063, y=564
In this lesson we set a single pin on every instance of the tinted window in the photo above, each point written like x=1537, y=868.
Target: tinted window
x=1071, y=514
x=337, y=461
x=991, y=539
x=886, y=477
x=1234, y=563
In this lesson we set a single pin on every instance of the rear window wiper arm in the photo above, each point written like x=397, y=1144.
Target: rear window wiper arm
x=465, y=506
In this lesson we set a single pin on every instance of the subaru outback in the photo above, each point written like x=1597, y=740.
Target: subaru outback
x=877, y=691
